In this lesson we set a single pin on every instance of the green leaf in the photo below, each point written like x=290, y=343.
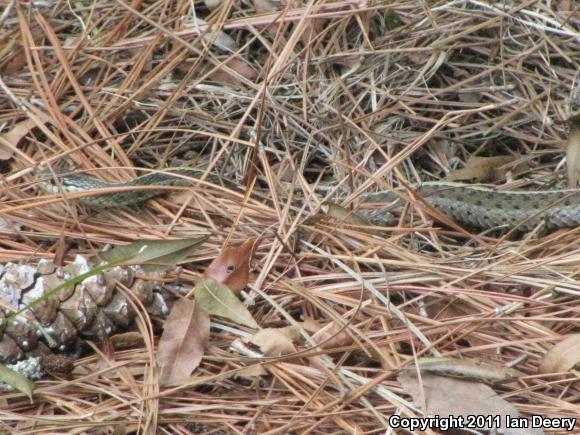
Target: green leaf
x=17, y=381
x=160, y=254
x=220, y=301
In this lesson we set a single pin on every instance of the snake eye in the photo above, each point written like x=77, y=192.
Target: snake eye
x=231, y=268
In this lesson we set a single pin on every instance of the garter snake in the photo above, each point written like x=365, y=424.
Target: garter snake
x=58, y=180
x=472, y=205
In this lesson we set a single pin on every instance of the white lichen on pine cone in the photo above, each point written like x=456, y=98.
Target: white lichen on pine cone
x=89, y=309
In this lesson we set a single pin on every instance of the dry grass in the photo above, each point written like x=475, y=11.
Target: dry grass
x=358, y=94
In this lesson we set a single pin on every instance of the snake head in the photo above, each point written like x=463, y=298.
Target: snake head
x=232, y=266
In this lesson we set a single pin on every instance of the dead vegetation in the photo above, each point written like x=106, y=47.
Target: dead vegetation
x=286, y=98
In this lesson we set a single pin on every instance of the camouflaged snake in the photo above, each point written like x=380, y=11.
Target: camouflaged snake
x=470, y=205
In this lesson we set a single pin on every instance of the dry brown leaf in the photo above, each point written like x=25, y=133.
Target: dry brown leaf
x=212, y=4
x=217, y=38
x=470, y=97
x=483, y=169
x=573, y=152
x=283, y=170
x=343, y=215
x=232, y=266
x=312, y=28
x=275, y=341
x=563, y=357
x=564, y=5
x=446, y=397
x=265, y=6
x=9, y=140
x=16, y=57
x=240, y=66
x=127, y=340
x=252, y=372
x=330, y=336
x=183, y=342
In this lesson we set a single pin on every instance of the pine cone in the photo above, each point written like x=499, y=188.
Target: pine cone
x=93, y=308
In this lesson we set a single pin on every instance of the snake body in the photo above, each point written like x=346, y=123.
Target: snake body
x=485, y=208
x=132, y=193
x=470, y=205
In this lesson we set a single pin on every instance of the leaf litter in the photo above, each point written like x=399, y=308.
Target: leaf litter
x=356, y=97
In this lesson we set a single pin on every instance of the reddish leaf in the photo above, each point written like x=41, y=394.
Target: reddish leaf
x=232, y=266
x=238, y=65
x=183, y=342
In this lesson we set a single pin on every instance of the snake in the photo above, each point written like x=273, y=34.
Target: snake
x=471, y=205
x=126, y=193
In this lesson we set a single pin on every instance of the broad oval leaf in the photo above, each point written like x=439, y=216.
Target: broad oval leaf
x=232, y=266
x=219, y=300
x=183, y=342
x=275, y=341
x=443, y=396
x=563, y=356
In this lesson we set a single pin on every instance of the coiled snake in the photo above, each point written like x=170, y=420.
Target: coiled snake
x=471, y=205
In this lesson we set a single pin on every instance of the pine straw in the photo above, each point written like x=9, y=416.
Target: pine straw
x=359, y=95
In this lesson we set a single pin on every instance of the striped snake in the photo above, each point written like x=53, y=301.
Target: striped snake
x=471, y=205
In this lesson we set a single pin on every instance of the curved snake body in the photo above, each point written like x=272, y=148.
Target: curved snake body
x=471, y=205
x=485, y=208
x=58, y=180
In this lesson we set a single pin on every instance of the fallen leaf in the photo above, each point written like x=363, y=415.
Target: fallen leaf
x=212, y=4
x=160, y=254
x=343, y=215
x=232, y=266
x=240, y=66
x=126, y=340
x=275, y=341
x=313, y=27
x=284, y=170
x=269, y=6
x=470, y=97
x=218, y=38
x=265, y=6
x=483, y=169
x=444, y=397
x=564, y=5
x=219, y=300
x=252, y=372
x=17, y=381
x=563, y=357
x=9, y=140
x=573, y=152
x=330, y=336
x=183, y=342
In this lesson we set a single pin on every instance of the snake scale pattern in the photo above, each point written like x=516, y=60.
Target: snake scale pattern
x=487, y=208
x=470, y=205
